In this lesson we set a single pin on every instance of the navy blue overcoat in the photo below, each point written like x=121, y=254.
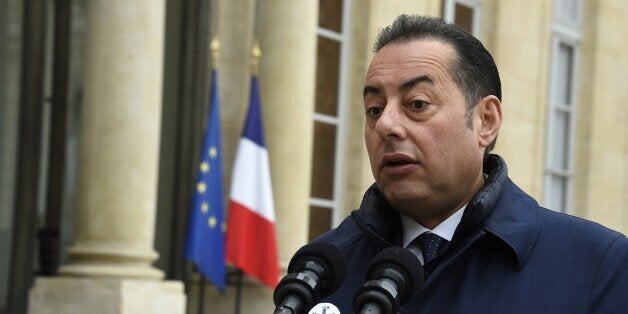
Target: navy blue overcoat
x=508, y=255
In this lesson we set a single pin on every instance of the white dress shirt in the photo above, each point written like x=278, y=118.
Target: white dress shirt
x=412, y=229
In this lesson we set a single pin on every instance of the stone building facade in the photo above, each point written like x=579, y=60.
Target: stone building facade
x=103, y=105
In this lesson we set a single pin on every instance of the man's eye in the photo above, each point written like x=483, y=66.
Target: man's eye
x=418, y=104
x=374, y=111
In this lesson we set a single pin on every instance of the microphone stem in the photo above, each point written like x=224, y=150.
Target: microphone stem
x=292, y=304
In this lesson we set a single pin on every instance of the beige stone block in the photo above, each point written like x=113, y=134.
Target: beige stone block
x=603, y=134
x=383, y=13
x=287, y=74
x=68, y=295
x=522, y=58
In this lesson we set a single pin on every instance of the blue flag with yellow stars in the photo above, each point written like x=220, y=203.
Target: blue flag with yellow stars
x=206, y=231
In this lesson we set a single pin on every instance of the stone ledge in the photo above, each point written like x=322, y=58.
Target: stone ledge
x=66, y=294
x=120, y=271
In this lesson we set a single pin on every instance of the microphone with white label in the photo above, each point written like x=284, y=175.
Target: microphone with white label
x=393, y=276
x=315, y=271
x=324, y=308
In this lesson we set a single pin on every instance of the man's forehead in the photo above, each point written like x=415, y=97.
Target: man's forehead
x=416, y=48
x=404, y=61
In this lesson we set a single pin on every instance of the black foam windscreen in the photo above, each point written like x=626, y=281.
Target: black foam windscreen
x=403, y=261
x=329, y=257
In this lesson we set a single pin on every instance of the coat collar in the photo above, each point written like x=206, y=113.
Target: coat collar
x=516, y=221
x=378, y=220
x=500, y=208
x=503, y=210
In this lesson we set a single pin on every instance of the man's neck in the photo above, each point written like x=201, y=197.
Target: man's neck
x=432, y=221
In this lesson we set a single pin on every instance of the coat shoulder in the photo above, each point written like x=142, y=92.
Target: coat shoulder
x=582, y=231
x=344, y=236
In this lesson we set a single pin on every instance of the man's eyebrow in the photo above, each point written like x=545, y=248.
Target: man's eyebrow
x=404, y=86
x=370, y=89
x=415, y=81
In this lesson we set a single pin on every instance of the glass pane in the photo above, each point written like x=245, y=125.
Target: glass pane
x=10, y=59
x=560, y=142
x=556, y=190
x=320, y=221
x=330, y=14
x=464, y=17
x=568, y=9
x=564, y=73
x=323, y=160
x=327, y=73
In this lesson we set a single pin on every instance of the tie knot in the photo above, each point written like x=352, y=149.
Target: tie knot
x=430, y=244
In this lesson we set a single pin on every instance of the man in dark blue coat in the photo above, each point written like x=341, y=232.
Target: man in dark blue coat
x=432, y=100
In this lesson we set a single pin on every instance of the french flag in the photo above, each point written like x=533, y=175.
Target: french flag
x=251, y=244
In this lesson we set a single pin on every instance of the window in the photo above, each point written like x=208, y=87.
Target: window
x=561, y=109
x=329, y=112
x=568, y=11
x=464, y=13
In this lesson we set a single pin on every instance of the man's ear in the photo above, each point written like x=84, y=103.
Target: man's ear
x=488, y=114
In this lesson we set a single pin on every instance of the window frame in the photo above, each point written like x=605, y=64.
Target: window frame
x=569, y=33
x=339, y=121
x=449, y=13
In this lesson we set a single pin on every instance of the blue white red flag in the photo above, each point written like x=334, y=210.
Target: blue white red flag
x=251, y=244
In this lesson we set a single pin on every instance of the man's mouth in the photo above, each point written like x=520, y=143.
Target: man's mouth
x=396, y=160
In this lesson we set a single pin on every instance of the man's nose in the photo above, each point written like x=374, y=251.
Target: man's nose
x=390, y=122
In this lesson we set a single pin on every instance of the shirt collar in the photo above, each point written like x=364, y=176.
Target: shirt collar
x=446, y=229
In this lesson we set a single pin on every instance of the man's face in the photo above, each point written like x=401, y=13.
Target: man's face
x=424, y=157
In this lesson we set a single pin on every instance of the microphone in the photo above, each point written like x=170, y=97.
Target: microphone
x=315, y=271
x=393, y=276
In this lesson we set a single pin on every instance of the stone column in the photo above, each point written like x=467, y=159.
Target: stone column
x=115, y=218
x=287, y=81
x=110, y=269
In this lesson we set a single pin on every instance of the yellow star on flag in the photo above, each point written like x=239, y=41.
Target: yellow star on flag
x=201, y=187
x=204, y=167
x=213, y=152
x=204, y=207
x=223, y=227
x=212, y=222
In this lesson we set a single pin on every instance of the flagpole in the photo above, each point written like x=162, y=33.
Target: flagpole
x=238, y=290
x=256, y=53
x=201, y=296
x=214, y=49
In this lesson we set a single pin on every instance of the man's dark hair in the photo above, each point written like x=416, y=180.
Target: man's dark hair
x=473, y=67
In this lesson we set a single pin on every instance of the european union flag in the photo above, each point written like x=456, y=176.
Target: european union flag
x=206, y=231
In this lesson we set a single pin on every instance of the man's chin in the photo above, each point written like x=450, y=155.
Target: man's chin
x=403, y=197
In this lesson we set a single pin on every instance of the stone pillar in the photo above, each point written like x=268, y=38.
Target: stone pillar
x=110, y=269
x=601, y=178
x=287, y=81
x=115, y=218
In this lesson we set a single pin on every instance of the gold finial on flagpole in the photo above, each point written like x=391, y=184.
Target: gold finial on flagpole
x=256, y=53
x=214, y=48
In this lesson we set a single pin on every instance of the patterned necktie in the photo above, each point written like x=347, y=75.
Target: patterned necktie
x=430, y=245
